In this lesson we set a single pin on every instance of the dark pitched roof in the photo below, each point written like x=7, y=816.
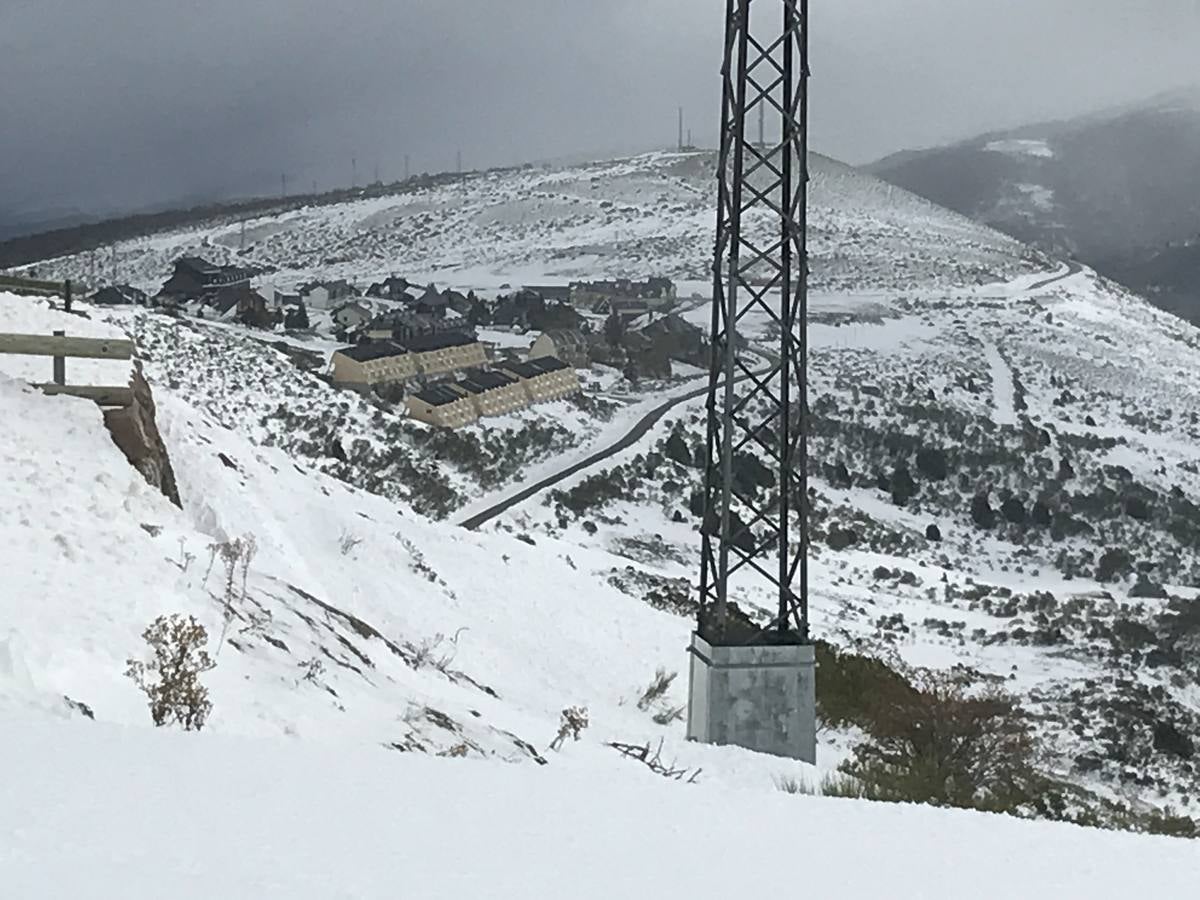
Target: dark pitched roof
x=197, y=265
x=523, y=369
x=548, y=364
x=479, y=381
x=438, y=395
x=422, y=343
x=372, y=350
x=119, y=293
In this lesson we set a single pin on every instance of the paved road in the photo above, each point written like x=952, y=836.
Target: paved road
x=644, y=424
x=639, y=431
x=1073, y=268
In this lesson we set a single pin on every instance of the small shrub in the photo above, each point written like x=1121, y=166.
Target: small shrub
x=668, y=715
x=573, y=721
x=171, y=679
x=657, y=688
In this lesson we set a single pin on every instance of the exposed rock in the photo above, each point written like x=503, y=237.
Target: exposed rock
x=80, y=707
x=933, y=533
x=135, y=431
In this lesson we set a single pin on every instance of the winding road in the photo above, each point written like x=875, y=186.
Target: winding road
x=635, y=434
x=639, y=430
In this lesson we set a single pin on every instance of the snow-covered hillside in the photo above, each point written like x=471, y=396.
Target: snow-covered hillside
x=1004, y=480
x=647, y=215
x=91, y=811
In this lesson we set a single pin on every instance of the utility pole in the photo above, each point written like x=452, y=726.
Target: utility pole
x=762, y=127
x=242, y=239
x=689, y=143
x=353, y=172
x=679, y=144
x=376, y=173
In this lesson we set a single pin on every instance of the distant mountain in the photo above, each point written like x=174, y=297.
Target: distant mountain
x=1119, y=189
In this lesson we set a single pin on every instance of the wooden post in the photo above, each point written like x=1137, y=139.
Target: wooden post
x=60, y=362
x=66, y=296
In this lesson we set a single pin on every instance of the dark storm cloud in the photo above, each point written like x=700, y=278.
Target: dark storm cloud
x=112, y=104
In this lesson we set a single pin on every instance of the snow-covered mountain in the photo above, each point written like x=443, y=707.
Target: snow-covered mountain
x=1005, y=481
x=650, y=214
x=1116, y=189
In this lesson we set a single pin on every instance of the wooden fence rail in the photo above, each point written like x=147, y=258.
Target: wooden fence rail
x=34, y=286
x=58, y=346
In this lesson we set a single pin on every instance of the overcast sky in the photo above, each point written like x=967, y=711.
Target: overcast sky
x=108, y=104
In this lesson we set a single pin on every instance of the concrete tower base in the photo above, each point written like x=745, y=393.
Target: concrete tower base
x=759, y=697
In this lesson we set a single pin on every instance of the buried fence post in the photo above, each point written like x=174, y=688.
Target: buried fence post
x=67, y=295
x=60, y=362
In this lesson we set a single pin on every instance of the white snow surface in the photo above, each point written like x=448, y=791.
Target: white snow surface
x=650, y=214
x=95, y=811
x=1022, y=147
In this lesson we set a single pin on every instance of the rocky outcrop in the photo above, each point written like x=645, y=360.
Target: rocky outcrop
x=135, y=432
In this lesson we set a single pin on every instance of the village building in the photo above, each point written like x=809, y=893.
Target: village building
x=442, y=405
x=493, y=393
x=450, y=351
x=679, y=340
x=655, y=293
x=197, y=279
x=459, y=302
x=560, y=293
x=544, y=379
x=393, y=288
x=119, y=295
x=572, y=347
x=403, y=326
x=351, y=316
x=366, y=365
x=431, y=303
x=252, y=308
x=326, y=294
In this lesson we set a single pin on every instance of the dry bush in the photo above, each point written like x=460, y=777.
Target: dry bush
x=347, y=542
x=939, y=742
x=657, y=688
x=574, y=720
x=652, y=759
x=235, y=556
x=669, y=714
x=831, y=784
x=171, y=679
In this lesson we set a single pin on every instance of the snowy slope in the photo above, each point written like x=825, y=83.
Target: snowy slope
x=928, y=332
x=90, y=811
x=1069, y=400
x=647, y=215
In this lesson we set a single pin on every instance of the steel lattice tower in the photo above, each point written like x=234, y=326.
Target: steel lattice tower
x=757, y=403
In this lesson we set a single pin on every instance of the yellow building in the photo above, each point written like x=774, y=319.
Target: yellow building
x=366, y=365
x=440, y=354
x=545, y=378
x=493, y=393
x=442, y=405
